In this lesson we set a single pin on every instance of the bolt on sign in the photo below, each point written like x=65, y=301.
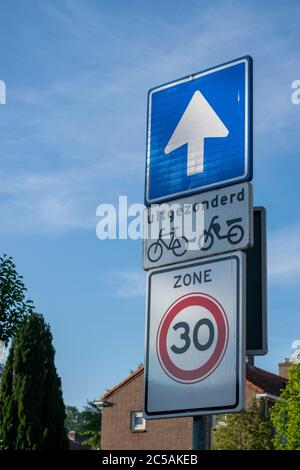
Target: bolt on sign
x=195, y=338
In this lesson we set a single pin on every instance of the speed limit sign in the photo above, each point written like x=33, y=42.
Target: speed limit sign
x=213, y=321
x=195, y=339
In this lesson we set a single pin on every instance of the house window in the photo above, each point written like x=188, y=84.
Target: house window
x=137, y=421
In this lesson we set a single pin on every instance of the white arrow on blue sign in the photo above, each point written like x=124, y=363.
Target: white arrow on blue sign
x=200, y=132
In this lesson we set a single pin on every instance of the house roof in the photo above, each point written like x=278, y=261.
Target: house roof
x=265, y=381
x=129, y=378
x=73, y=445
x=260, y=379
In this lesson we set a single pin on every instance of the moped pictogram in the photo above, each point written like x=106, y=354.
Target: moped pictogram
x=234, y=234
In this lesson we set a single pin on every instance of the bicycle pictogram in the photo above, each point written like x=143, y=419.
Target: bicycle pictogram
x=234, y=234
x=178, y=245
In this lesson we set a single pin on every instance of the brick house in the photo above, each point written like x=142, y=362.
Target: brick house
x=123, y=426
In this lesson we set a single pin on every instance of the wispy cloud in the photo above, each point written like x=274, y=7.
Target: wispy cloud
x=77, y=137
x=51, y=201
x=127, y=284
x=284, y=255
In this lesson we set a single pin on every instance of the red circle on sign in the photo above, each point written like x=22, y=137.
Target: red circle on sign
x=216, y=309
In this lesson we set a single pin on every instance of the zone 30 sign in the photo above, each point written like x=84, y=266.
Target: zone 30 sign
x=195, y=338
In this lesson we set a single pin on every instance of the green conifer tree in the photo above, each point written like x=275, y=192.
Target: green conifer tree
x=36, y=409
x=7, y=406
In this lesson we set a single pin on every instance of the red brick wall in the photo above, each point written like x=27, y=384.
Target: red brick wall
x=162, y=434
x=251, y=392
x=283, y=368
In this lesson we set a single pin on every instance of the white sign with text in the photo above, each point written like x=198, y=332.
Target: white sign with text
x=198, y=226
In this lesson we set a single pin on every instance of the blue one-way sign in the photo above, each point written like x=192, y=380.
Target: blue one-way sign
x=200, y=132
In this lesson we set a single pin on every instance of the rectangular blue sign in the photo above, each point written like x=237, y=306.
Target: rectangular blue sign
x=199, y=134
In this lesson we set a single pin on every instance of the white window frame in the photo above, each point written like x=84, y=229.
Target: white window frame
x=134, y=426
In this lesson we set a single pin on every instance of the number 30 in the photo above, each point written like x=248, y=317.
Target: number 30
x=186, y=336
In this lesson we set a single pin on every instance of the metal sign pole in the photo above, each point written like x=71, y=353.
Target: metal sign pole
x=201, y=432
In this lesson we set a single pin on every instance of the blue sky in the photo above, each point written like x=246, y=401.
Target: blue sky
x=72, y=136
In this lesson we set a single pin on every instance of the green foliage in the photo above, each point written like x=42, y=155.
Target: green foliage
x=91, y=427
x=32, y=410
x=286, y=413
x=86, y=423
x=249, y=430
x=74, y=420
x=8, y=415
x=13, y=306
